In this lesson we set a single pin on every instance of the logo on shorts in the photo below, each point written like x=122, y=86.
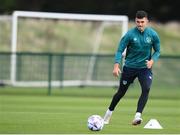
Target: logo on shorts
x=150, y=77
x=124, y=82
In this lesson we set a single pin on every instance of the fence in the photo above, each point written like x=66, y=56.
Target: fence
x=36, y=69
x=47, y=69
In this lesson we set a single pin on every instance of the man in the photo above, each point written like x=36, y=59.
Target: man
x=139, y=43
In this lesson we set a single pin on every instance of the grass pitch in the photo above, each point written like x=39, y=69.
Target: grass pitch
x=29, y=111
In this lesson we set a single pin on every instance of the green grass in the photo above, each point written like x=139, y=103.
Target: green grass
x=28, y=110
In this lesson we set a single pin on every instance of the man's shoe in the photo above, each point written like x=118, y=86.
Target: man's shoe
x=137, y=121
x=107, y=117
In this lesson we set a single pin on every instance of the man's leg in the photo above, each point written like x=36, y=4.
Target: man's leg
x=116, y=98
x=126, y=79
x=145, y=79
x=124, y=84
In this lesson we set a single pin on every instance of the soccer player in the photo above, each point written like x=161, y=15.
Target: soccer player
x=139, y=43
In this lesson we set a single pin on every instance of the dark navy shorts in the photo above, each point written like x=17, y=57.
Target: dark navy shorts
x=144, y=76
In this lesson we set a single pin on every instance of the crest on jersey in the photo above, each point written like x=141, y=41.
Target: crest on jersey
x=135, y=39
x=148, y=39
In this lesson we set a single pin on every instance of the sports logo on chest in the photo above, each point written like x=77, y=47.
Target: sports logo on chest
x=134, y=39
x=148, y=39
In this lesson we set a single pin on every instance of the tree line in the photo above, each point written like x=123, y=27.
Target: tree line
x=158, y=10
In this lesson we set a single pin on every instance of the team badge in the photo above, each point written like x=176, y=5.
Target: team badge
x=135, y=39
x=124, y=82
x=148, y=39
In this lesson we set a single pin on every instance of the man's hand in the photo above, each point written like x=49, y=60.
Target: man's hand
x=149, y=63
x=116, y=70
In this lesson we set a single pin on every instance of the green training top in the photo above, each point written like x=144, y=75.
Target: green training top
x=139, y=47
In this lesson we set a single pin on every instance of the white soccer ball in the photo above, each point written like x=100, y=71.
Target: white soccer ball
x=95, y=123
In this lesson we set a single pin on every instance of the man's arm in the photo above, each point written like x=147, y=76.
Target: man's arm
x=119, y=54
x=122, y=46
x=156, y=47
x=116, y=70
x=156, y=54
x=149, y=63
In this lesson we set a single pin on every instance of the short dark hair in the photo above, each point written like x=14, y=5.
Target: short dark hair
x=141, y=14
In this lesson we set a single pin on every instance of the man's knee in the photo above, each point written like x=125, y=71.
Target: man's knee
x=145, y=91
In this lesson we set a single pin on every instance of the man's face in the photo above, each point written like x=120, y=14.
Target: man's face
x=141, y=23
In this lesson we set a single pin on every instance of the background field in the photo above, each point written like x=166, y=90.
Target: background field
x=30, y=110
